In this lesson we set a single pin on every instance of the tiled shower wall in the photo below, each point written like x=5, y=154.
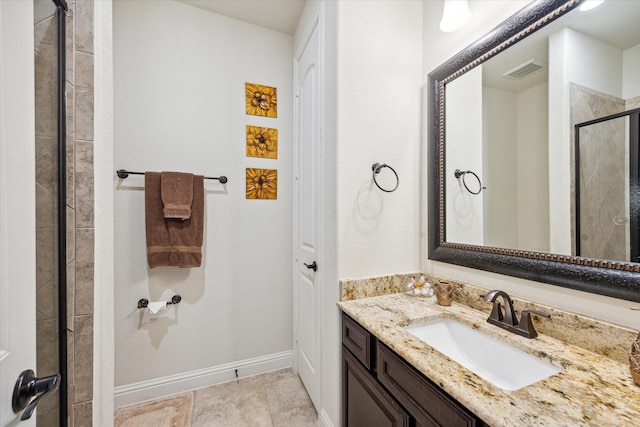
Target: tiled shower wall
x=79, y=208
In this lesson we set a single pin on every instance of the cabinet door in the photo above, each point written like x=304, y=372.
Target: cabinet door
x=365, y=402
x=428, y=404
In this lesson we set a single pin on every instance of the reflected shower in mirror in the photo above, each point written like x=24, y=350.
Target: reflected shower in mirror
x=506, y=107
x=511, y=120
x=607, y=186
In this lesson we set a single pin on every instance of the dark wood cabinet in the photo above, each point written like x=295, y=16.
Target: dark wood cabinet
x=382, y=389
x=366, y=403
x=428, y=404
x=359, y=341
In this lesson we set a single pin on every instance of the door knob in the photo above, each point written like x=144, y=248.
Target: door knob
x=313, y=266
x=28, y=386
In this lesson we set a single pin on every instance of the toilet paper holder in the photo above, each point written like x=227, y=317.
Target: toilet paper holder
x=144, y=302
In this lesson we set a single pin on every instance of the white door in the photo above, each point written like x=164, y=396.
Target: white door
x=17, y=202
x=308, y=270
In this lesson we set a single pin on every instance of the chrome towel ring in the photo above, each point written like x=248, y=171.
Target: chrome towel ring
x=376, y=167
x=458, y=173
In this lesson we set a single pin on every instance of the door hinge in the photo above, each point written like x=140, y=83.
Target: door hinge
x=297, y=91
x=295, y=336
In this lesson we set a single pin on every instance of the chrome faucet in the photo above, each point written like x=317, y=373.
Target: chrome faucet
x=508, y=320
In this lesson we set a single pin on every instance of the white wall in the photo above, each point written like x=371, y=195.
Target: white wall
x=592, y=63
x=180, y=105
x=463, y=122
x=515, y=168
x=559, y=148
x=499, y=158
x=372, y=114
x=379, y=119
x=533, y=169
x=438, y=47
x=631, y=77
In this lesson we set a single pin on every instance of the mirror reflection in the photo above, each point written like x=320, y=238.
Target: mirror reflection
x=606, y=180
x=553, y=180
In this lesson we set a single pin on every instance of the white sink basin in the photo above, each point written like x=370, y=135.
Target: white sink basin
x=502, y=365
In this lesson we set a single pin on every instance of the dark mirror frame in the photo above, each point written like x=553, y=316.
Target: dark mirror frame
x=611, y=278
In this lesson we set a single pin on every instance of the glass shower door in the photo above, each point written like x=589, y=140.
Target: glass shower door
x=607, y=188
x=49, y=61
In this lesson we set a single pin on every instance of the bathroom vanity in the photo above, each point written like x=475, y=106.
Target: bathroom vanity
x=392, y=378
x=381, y=389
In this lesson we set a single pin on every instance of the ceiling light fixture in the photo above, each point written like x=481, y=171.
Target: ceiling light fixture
x=455, y=15
x=590, y=4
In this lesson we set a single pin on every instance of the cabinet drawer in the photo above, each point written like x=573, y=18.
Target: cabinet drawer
x=357, y=340
x=429, y=405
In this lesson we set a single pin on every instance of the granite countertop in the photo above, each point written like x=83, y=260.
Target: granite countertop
x=590, y=390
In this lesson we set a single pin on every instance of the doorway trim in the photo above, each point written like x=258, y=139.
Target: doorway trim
x=17, y=198
x=103, y=327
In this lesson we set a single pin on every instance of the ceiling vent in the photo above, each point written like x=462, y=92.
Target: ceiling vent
x=524, y=70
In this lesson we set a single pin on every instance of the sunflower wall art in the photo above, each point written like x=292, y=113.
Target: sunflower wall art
x=261, y=100
x=262, y=184
x=262, y=142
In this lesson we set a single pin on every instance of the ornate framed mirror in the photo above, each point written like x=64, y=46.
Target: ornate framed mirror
x=508, y=110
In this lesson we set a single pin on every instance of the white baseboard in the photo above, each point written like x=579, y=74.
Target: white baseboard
x=324, y=420
x=132, y=394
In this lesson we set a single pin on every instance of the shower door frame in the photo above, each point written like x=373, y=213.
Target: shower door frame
x=634, y=178
x=63, y=8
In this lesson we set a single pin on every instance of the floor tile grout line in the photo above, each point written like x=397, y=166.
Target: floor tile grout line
x=262, y=383
x=193, y=405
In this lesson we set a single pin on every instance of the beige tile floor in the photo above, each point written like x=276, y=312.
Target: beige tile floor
x=274, y=399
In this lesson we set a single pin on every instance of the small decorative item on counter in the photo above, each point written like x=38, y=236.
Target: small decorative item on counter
x=634, y=360
x=444, y=293
x=420, y=286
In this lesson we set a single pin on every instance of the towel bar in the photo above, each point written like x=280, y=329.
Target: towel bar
x=144, y=302
x=123, y=173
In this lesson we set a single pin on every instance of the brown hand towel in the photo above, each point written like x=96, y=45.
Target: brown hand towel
x=173, y=242
x=177, y=194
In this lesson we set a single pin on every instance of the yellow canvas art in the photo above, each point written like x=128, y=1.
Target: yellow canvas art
x=262, y=184
x=261, y=100
x=262, y=142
